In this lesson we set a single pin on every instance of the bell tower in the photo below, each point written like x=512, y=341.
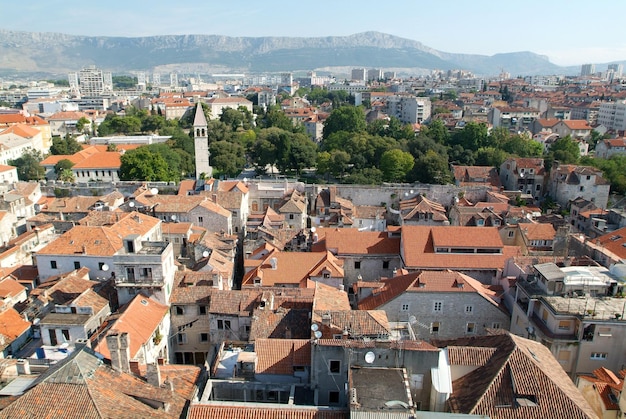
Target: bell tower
x=201, y=143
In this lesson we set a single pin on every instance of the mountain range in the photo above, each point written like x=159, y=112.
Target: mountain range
x=56, y=53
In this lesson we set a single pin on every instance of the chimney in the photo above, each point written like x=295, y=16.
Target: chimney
x=125, y=352
x=326, y=319
x=81, y=343
x=113, y=343
x=153, y=374
x=134, y=367
x=23, y=367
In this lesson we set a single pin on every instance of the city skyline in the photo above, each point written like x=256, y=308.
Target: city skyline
x=485, y=27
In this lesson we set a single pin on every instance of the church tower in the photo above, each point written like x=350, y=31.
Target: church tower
x=201, y=143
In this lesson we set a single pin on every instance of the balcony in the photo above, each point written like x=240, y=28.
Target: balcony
x=140, y=281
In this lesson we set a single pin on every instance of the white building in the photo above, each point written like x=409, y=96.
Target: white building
x=612, y=115
x=409, y=109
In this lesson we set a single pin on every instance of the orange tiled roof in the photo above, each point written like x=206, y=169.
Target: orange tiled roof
x=294, y=268
x=21, y=130
x=538, y=231
x=579, y=124
x=280, y=356
x=100, y=240
x=13, y=325
x=105, y=160
x=140, y=318
x=418, y=243
x=352, y=241
x=614, y=242
x=9, y=287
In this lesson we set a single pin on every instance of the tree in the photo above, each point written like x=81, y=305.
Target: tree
x=67, y=175
x=152, y=123
x=143, y=164
x=471, y=137
x=83, y=125
x=28, y=167
x=437, y=131
x=302, y=155
x=64, y=146
x=431, y=168
x=275, y=117
x=490, y=156
x=395, y=164
x=339, y=161
x=564, y=150
x=227, y=157
x=62, y=165
x=345, y=118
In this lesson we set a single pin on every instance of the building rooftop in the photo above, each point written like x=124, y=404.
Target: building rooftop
x=380, y=389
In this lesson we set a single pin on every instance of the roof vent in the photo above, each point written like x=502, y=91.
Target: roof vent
x=144, y=302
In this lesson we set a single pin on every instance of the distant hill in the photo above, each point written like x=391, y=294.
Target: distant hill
x=59, y=53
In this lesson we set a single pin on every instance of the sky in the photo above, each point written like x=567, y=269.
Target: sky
x=571, y=32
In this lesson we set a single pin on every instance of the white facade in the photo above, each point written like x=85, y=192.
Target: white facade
x=409, y=109
x=613, y=115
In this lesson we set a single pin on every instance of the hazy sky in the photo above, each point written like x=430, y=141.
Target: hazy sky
x=569, y=32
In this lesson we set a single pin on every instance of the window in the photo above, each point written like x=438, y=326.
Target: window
x=385, y=264
x=202, y=310
x=76, y=265
x=182, y=338
x=582, y=188
x=438, y=306
x=564, y=325
x=598, y=355
x=564, y=357
x=334, y=366
x=434, y=327
x=469, y=309
x=326, y=275
x=470, y=328
x=223, y=324
x=496, y=325
x=180, y=310
x=66, y=334
x=544, y=315
x=146, y=272
x=291, y=216
x=480, y=222
x=605, y=332
x=204, y=337
x=200, y=220
x=53, y=264
x=511, y=233
x=417, y=381
x=405, y=307
x=130, y=274
x=333, y=397
x=101, y=265
x=357, y=264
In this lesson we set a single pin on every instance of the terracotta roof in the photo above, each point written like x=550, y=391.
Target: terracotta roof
x=615, y=142
x=351, y=241
x=21, y=130
x=606, y=383
x=614, y=242
x=419, y=247
x=100, y=241
x=538, y=231
x=5, y=168
x=237, y=411
x=105, y=160
x=9, y=287
x=18, y=118
x=64, y=116
x=293, y=268
x=82, y=386
x=356, y=323
x=425, y=282
x=578, y=124
x=139, y=318
x=280, y=356
x=13, y=326
x=521, y=379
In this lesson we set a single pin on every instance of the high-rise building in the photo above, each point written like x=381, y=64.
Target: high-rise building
x=173, y=80
x=359, y=74
x=617, y=69
x=374, y=74
x=156, y=79
x=92, y=82
x=587, y=70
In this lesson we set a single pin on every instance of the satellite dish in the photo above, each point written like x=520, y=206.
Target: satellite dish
x=154, y=191
x=315, y=327
x=205, y=254
x=105, y=267
x=313, y=229
x=370, y=357
x=412, y=320
x=173, y=217
x=131, y=204
x=318, y=334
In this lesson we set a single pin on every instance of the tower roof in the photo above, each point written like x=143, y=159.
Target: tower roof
x=199, y=120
